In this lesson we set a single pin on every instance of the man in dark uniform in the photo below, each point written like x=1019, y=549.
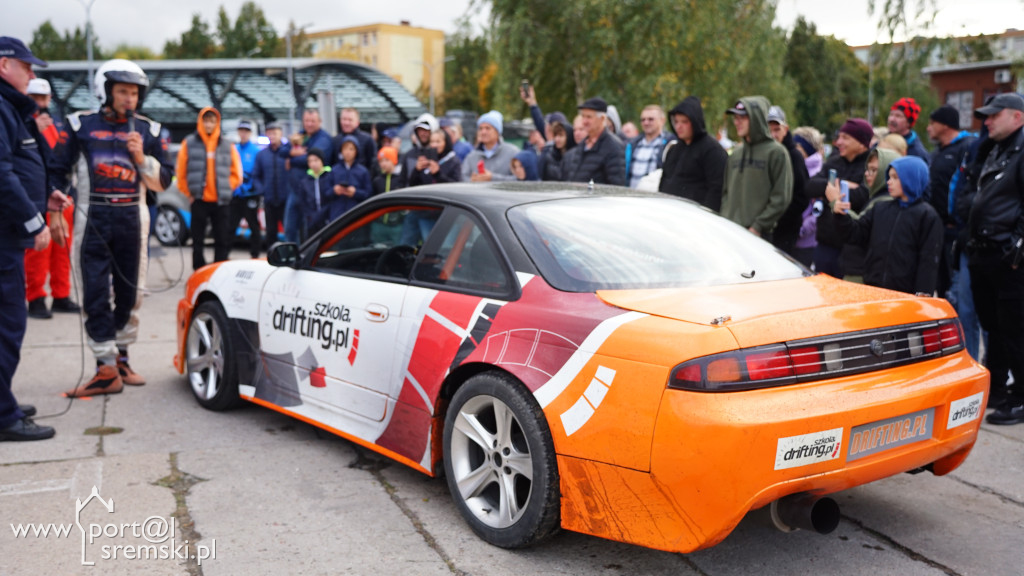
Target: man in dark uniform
x=23, y=194
x=995, y=251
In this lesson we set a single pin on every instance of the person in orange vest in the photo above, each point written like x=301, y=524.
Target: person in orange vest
x=208, y=170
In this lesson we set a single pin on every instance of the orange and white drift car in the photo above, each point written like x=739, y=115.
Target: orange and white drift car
x=616, y=363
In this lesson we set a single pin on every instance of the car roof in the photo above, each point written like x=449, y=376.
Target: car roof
x=500, y=196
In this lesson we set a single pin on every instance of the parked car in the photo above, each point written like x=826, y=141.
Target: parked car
x=617, y=363
x=174, y=219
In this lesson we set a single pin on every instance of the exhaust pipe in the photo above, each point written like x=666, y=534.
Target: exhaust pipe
x=805, y=511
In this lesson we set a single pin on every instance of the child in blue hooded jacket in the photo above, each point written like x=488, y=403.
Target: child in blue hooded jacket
x=903, y=238
x=524, y=166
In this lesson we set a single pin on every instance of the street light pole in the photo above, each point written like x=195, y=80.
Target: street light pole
x=88, y=40
x=430, y=77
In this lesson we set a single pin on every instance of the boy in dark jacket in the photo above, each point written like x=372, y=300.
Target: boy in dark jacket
x=903, y=237
x=351, y=181
x=314, y=187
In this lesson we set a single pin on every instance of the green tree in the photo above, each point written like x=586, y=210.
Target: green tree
x=638, y=52
x=467, y=80
x=48, y=44
x=250, y=35
x=301, y=47
x=195, y=43
x=831, y=83
x=970, y=49
x=896, y=66
x=133, y=52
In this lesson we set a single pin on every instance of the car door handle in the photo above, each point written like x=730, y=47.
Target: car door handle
x=377, y=313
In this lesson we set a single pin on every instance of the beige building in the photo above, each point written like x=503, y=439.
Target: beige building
x=413, y=56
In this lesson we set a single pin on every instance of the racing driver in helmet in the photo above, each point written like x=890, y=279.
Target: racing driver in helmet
x=123, y=157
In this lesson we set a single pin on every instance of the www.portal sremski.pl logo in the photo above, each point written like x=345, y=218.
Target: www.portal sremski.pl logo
x=154, y=537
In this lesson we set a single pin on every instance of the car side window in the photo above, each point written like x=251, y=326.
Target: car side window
x=463, y=258
x=385, y=244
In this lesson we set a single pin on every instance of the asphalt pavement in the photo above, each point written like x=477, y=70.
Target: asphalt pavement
x=131, y=477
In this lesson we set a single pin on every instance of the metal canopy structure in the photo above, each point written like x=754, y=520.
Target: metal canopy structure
x=250, y=88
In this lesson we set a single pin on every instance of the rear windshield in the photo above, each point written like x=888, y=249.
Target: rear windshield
x=609, y=243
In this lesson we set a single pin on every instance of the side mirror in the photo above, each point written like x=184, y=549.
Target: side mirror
x=284, y=254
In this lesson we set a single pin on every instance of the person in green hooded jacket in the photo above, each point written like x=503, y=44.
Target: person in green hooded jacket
x=758, y=177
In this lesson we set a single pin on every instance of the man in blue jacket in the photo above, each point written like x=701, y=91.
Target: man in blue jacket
x=312, y=136
x=245, y=201
x=270, y=180
x=23, y=193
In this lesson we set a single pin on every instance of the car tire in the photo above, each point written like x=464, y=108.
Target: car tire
x=503, y=477
x=209, y=359
x=169, y=227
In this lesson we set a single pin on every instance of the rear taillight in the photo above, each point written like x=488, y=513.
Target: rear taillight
x=818, y=358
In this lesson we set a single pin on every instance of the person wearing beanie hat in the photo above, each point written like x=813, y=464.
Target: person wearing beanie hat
x=387, y=180
x=902, y=117
x=952, y=145
x=903, y=237
x=859, y=129
x=491, y=160
x=852, y=143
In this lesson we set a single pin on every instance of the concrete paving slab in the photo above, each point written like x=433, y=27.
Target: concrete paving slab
x=566, y=553
x=322, y=516
x=955, y=525
x=138, y=502
x=756, y=546
x=996, y=463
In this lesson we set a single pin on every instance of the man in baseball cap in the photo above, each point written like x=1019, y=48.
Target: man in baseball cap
x=26, y=197
x=1010, y=100
x=995, y=254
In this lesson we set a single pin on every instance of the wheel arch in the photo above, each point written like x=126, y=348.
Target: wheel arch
x=455, y=380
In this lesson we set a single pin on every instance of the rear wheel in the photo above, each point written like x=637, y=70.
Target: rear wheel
x=209, y=360
x=500, y=462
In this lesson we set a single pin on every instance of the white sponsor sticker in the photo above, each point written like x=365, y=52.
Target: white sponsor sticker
x=965, y=410
x=808, y=449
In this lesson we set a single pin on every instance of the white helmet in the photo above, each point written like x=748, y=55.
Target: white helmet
x=118, y=71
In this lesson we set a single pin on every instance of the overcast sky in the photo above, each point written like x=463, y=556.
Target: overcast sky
x=152, y=23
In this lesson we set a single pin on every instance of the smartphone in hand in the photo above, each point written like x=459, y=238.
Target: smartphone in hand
x=832, y=176
x=844, y=192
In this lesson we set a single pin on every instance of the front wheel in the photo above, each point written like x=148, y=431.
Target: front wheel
x=500, y=462
x=209, y=360
x=170, y=228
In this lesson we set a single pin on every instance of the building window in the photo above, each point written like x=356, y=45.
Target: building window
x=366, y=39
x=964, y=104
